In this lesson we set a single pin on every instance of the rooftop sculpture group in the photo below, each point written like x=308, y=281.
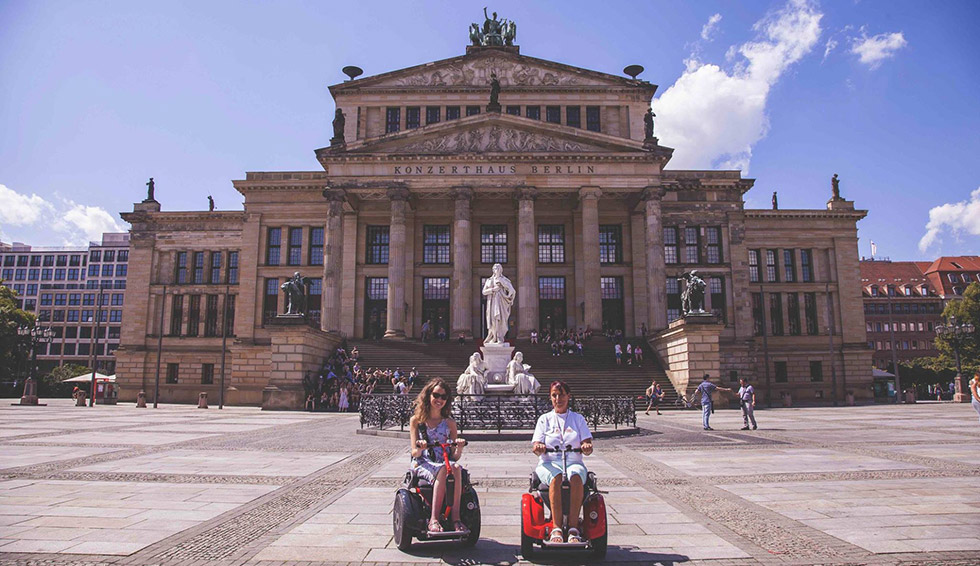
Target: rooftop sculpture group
x=493, y=32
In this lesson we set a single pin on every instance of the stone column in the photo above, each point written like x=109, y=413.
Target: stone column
x=656, y=279
x=527, y=259
x=462, y=288
x=589, y=203
x=396, y=264
x=333, y=257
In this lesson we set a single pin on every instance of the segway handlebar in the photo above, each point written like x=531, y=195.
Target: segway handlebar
x=567, y=448
x=444, y=444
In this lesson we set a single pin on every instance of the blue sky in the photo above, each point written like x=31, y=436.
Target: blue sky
x=95, y=97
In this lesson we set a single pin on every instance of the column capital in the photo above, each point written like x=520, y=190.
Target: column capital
x=398, y=193
x=461, y=193
x=589, y=193
x=526, y=193
x=334, y=195
x=653, y=193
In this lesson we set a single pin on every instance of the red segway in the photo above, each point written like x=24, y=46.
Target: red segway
x=413, y=507
x=535, y=529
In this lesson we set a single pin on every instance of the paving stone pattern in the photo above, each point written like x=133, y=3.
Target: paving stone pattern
x=180, y=486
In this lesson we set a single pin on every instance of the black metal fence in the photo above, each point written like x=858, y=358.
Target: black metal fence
x=498, y=412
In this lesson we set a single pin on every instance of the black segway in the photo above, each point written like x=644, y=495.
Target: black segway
x=413, y=508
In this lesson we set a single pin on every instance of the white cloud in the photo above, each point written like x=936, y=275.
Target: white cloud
x=710, y=28
x=830, y=46
x=713, y=117
x=76, y=224
x=957, y=217
x=873, y=50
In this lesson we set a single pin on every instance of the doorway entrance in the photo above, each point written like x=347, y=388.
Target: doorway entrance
x=435, y=305
x=613, y=312
x=552, y=313
x=375, y=307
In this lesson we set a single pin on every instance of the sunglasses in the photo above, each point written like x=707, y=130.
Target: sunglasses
x=442, y=396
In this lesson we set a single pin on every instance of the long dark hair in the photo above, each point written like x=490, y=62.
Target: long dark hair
x=423, y=403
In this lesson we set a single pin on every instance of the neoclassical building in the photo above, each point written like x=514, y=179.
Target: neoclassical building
x=426, y=185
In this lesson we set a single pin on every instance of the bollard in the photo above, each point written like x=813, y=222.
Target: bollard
x=787, y=400
x=141, y=400
x=202, y=400
x=849, y=399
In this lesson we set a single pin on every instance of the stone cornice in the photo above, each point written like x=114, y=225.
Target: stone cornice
x=803, y=213
x=189, y=216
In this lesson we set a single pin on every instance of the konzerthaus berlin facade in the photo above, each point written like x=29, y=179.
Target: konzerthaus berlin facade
x=429, y=186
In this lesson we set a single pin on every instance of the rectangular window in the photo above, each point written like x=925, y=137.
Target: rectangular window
x=215, y=274
x=716, y=287
x=316, y=246
x=772, y=274
x=59, y=316
x=713, y=236
x=23, y=260
x=816, y=371
x=789, y=266
x=72, y=316
x=592, y=119
x=294, y=254
x=46, y=299
x=106, y=271
x=172, y=373
x=33, y=274
x=35, y=261
x=435, y=288
x=610, y=244
x=176, y=314
x=573, y=116
x=123, y=255
x=95, y=255
x=115, y=316
x=377, y=245
x=452, y=113
x=810, y=313
x=117, y=299
x=782, y=376
x=393, y=119
x=376, y=288
x=493, y=243
x=73, y=261
x=551, y=243
x=432, y=114
x=211, y=315
x=553, y=114
x=62, y=261
x=232, y=268
x=273, y=246
x=48, y=260
x=806, y=266
x=472, y=110
x=207, y=374
x=513, y=110
x=230, y=314
x=121, y=269
x=611, y=287
x=193, y=315
x=673, y=299
x=793, y=308
x=198, y=268
x=93, y=270
x=692, y=245
x=74, y=299
x=413, y=117
x=435, y=244
x=45, y=274
x=109, y=255
x=60, y=299
x=776, y=313
x=670, y=245
x=533, y=112
x=314, y=301
x=551, y=288
x=59, y=274
x=270, y=303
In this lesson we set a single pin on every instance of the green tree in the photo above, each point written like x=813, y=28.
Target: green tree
x=13, y=348
x=965, y=310
x=52, y=384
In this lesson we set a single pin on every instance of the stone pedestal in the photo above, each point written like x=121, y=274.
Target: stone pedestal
x=30, y=392
x=141, y=400
x=689, y=349
x=496, y=357
x=296, y=349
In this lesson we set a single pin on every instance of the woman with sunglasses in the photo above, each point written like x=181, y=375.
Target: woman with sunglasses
x=562, y=427
x=431, y=426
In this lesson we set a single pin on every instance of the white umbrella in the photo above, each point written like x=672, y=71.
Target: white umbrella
x=87, y=378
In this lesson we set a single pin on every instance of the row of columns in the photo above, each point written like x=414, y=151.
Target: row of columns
x=462, y=286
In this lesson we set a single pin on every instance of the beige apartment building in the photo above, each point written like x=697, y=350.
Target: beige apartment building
x=429, y=185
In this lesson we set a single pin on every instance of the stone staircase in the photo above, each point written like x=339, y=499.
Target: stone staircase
x=595, y=373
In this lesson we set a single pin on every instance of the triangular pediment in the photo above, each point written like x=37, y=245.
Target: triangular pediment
x=474, y=69
x=494, y=133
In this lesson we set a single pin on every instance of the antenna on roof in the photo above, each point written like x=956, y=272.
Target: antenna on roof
x=633, y=71
x=352, y=71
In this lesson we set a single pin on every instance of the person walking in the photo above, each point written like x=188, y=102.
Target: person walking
x=975, y=392
x=619, y=354
x=746, y=398
x=654, y=396
x=706, y=389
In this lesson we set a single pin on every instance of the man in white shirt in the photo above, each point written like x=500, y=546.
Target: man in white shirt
x=746, y=398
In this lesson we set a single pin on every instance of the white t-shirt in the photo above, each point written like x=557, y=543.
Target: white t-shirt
x=554, y=429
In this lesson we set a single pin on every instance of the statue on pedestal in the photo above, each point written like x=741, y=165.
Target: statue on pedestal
x=519, y=375
x=149, y=190
x=339, y=122
x=500, y=296
x=775, y=201
x=693, y=295
x=210, y=204
x=295, y=289
x=648, y=124
x=473, y=381
x=835, y=187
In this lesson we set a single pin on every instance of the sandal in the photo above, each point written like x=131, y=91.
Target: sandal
x=556, y=536
x=459, y=526
x=573, y=536
x=435, y=526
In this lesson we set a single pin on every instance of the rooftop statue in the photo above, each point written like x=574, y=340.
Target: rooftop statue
x=494, y=32
x=338, y=127
x=648, y=124
x=834, y=185
x=149, y=190
x=775, y=201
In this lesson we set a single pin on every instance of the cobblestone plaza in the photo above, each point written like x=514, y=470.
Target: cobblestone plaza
x=178, y=485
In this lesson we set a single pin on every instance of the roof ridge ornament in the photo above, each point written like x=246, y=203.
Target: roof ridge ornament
x=494, y=32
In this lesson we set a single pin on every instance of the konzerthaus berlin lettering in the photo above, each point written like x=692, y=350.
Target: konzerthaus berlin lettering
x=427, y=183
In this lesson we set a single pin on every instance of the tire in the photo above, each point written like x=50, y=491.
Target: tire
x=472, y=519
x=527, y=543
x=400, y=515
x=599, y=546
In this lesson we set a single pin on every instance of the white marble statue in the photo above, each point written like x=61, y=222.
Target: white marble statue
x=519, y=375
x=473, y=381
x=500, y=298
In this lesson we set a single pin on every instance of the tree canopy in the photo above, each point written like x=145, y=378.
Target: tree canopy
x=12, y=346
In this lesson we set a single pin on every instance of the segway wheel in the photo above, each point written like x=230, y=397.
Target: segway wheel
x=527, y=543
x=599, y=545
x=471, y=517
x=399, y=516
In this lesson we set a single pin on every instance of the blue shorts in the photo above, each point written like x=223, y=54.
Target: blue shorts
x=547, y=471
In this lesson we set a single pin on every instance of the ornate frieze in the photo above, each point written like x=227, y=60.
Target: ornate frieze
x=495, y=139
x=477, y=73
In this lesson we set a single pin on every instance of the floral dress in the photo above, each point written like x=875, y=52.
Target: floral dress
x=427, y=468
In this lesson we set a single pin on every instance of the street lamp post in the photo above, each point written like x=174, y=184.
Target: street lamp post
x=957, y=335
x=889, y=290
x=34, y=335
x=95, y=347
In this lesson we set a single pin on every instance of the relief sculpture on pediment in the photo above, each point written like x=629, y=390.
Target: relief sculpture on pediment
x=494, y=139
x=477, y=73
